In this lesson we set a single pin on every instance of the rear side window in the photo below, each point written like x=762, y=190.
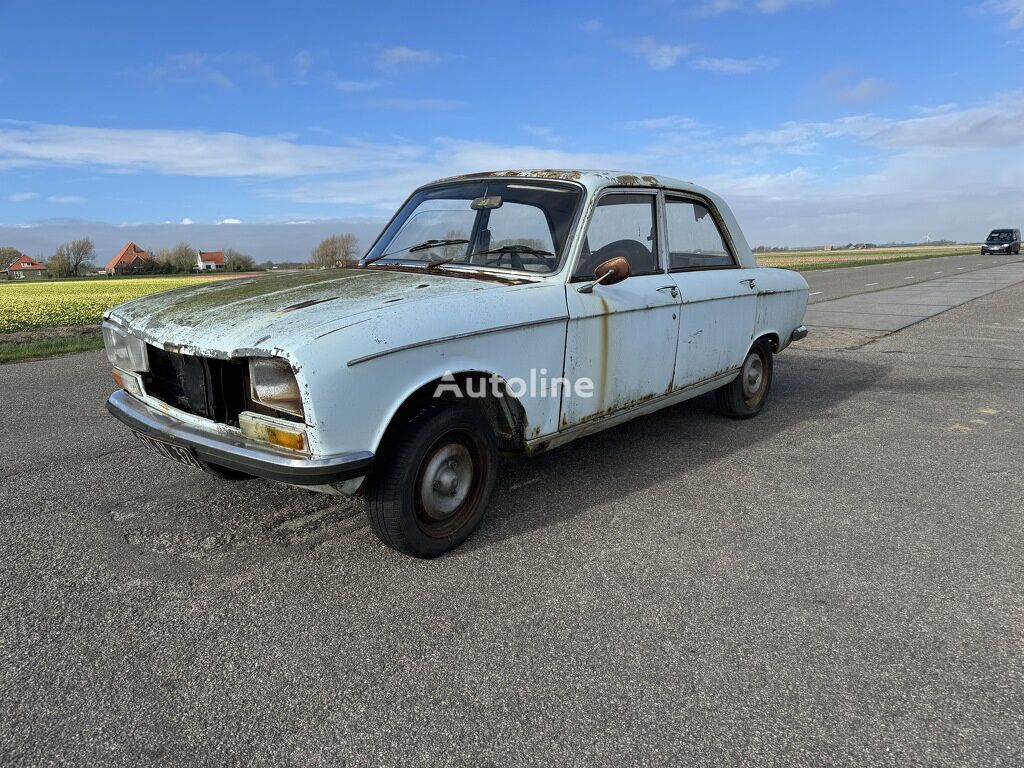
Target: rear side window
x=694, y=240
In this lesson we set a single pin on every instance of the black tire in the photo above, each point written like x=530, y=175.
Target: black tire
x=745, y=396
x=419, y=472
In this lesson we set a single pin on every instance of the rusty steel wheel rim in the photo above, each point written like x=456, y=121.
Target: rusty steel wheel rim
x=448, y=485
x=752, y=377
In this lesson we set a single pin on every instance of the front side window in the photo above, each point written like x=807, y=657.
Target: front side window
x=694, y=240
x=621, y=225
x=503, y=224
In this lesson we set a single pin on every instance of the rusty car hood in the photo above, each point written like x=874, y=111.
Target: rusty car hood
x=239, y=316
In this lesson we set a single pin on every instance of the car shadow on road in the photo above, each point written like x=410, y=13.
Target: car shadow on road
x=554, y=487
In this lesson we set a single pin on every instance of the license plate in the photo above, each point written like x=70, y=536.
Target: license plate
x=179, y=453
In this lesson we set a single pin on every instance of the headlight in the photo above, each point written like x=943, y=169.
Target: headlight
x=274, y=385
x=125, y=351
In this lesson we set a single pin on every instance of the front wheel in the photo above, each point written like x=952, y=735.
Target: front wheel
x=745, y=395
x=433, y=480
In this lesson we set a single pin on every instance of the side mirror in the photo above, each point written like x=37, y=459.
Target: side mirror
x=613, y=271
x=609, y=272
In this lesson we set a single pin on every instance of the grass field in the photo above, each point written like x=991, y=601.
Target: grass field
x=808, y=260
x=59, y=303
x=30, y=350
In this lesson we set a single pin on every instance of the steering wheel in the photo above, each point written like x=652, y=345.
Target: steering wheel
x=637, y=254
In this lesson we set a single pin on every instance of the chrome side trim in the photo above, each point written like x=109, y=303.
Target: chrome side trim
x=547, y=442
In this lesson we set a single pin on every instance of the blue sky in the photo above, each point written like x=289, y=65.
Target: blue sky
x=820, y=121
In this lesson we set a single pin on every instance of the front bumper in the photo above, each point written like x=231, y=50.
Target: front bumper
x=239, y=453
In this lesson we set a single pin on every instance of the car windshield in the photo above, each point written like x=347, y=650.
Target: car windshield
x=521, y=225
x=1001, y=236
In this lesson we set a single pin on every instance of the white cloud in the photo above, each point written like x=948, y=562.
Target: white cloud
x=847, y=86
x=191, y=67
x=658, y=55
x=775, y=6
x=419, y=104
x=399, y=56
x=1012, y=8
x=997, y=125
x=449, y=157
x=187, y=153
x=543, y=132
x=591, y=25
x=230, y=221
x=357, y=86
x=20, y=197
x=224, y=70
x=66, y=199
x=669, y=122
x=186, y=221
x=302, y=62
x=716, y=7
x=728, y=66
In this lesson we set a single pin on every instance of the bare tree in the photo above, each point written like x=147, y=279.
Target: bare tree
x=181, y=258
x=237, y=262
x=8, y=255
x=59, y=265
x=335, y=250
x=77, y=253
x=455, y=250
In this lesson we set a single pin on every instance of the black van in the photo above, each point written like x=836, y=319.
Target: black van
x=1002, y=241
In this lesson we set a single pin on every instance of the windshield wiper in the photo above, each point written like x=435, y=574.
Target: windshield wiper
x=516, y=248
x=434, y=243
x=426, y=244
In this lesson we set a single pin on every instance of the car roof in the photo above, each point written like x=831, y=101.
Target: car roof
x=591, y=179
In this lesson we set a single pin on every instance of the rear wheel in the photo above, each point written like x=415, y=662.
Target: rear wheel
x=745, y=395
x=433, y=481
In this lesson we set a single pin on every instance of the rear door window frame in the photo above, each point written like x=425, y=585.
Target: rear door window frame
x=671, y=196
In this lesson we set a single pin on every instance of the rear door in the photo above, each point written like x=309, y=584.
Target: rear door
x=718, y=297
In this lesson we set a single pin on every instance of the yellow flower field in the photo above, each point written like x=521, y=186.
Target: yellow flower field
x=73, y=302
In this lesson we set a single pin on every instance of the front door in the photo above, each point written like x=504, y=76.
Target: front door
x=621, y=337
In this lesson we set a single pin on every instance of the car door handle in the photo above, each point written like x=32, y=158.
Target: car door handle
x=673, y=291
x=750, y=282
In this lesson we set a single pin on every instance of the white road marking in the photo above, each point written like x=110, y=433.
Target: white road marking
x=814, y=294
x=909, y=278
x=939, y=272
x=961, y=267
x=868, y=285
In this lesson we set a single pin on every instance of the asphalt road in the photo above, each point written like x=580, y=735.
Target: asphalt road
x=829, y=284
x=836, y=582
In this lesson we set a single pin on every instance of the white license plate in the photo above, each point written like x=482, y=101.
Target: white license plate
x=179, y=453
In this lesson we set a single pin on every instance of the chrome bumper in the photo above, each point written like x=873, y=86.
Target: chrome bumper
x=800, y=332
x=239, y=453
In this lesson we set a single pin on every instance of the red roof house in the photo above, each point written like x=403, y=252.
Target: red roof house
x=131, y=260
x=210, y=260
x=24, y=268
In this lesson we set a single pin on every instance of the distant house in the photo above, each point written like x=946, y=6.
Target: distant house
x=132, y=260
x=209, y=261
x=24, y=268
